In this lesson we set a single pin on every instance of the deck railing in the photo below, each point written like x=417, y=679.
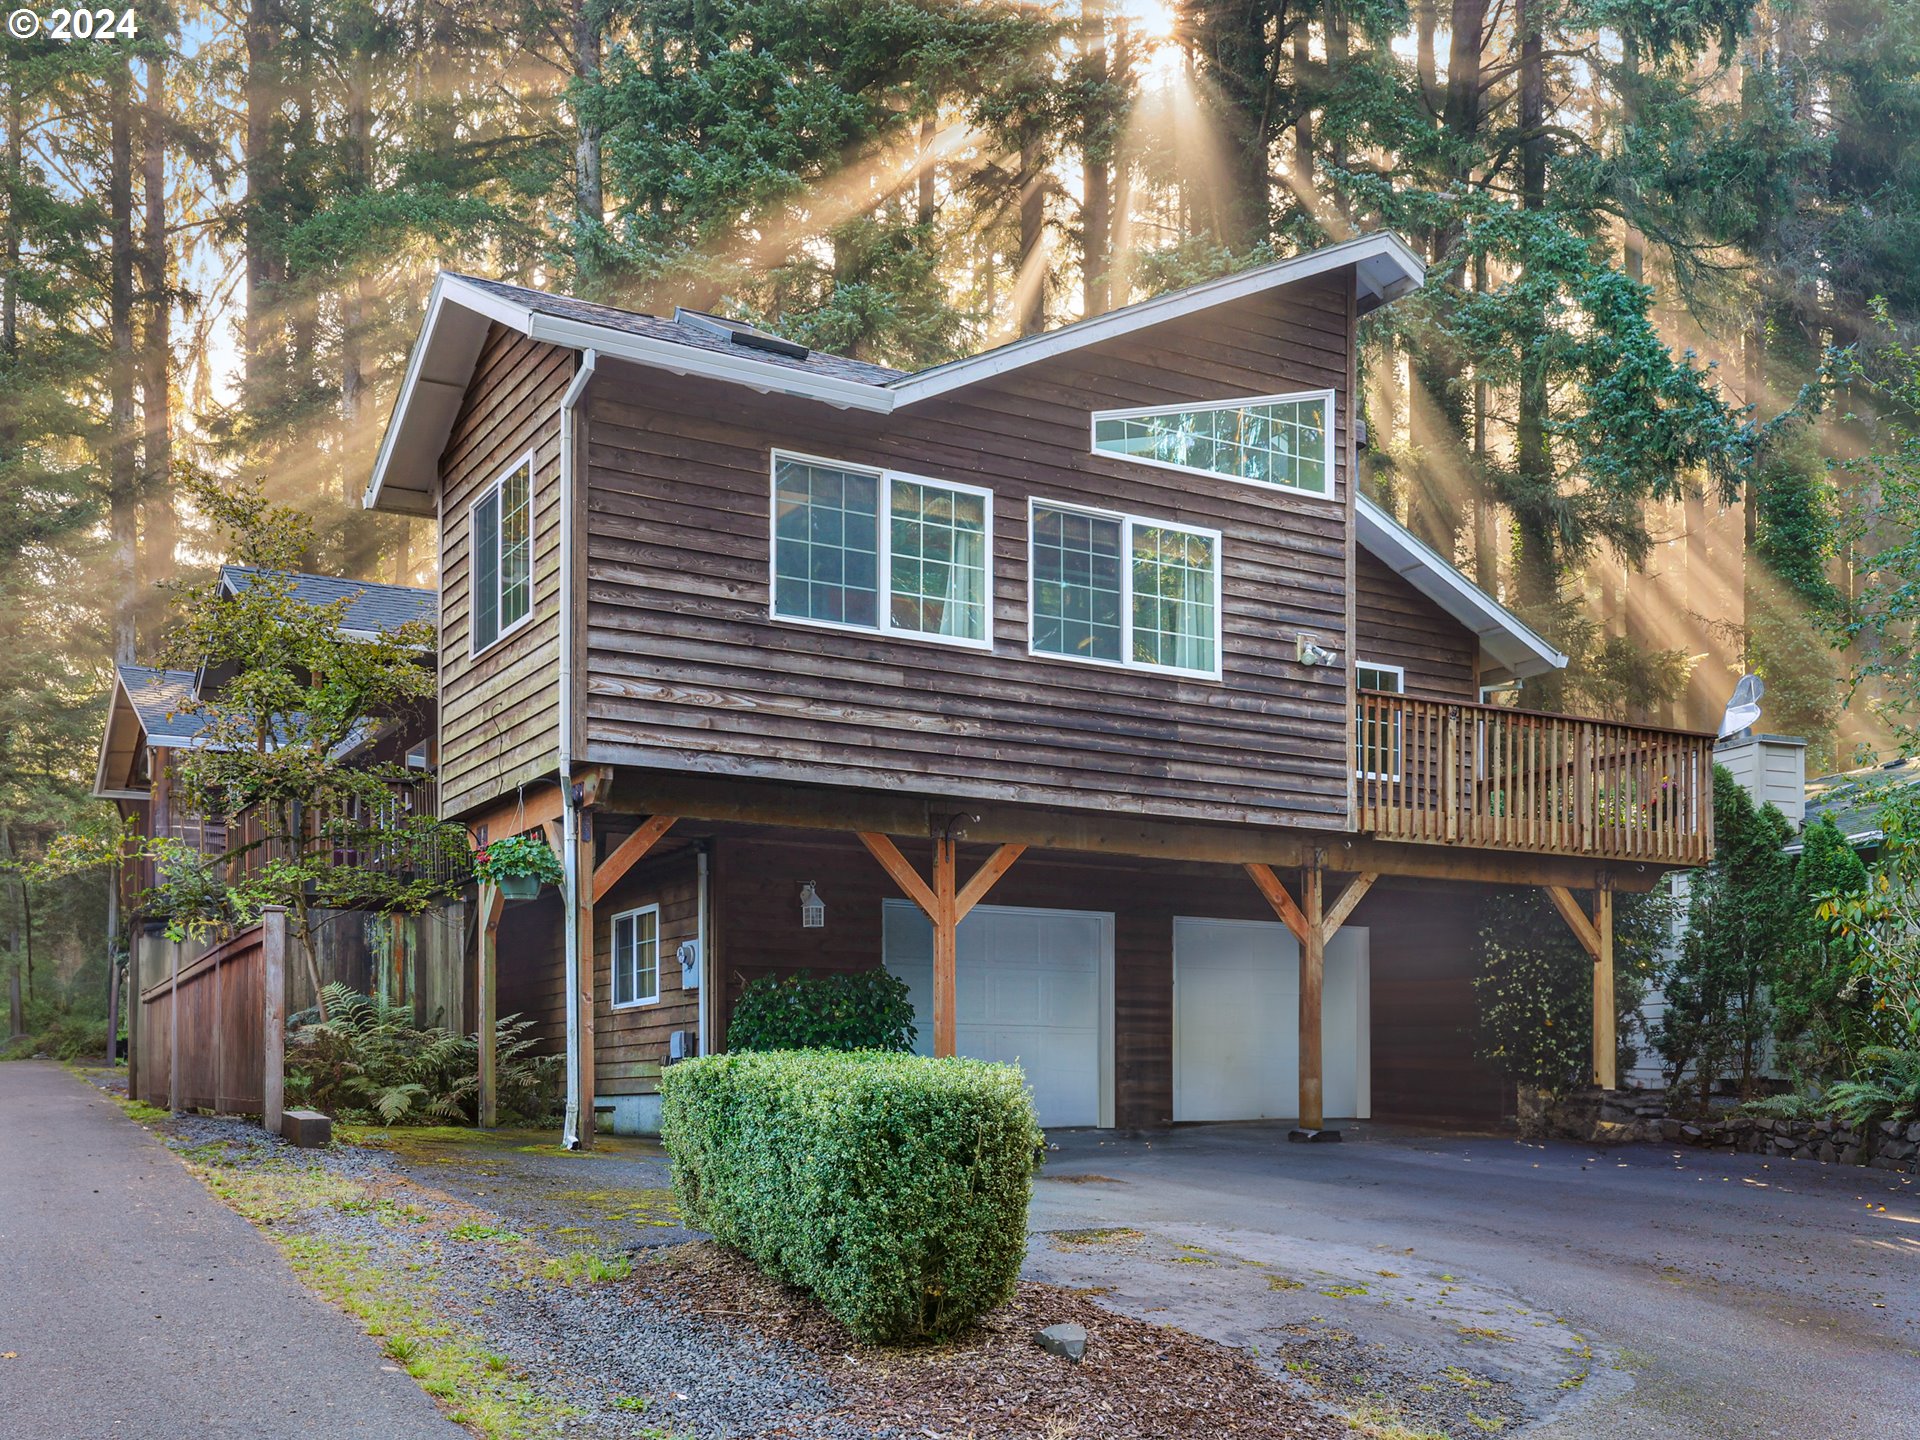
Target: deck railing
x=1450, y=773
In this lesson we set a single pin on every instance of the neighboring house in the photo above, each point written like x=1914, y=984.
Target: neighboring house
x=147, y=734
x=1853, y=799
x=1074, y=682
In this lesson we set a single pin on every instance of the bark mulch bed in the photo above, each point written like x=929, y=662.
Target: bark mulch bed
x=1139, y=1380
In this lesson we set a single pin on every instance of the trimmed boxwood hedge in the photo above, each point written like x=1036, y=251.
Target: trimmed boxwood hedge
x=891, y=1187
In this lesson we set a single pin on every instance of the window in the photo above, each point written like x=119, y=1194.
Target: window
x=502, y=568
x=844, y=536
x=1124, y=591
x=636, y=957
x=1377, y=740
x=1283, y=440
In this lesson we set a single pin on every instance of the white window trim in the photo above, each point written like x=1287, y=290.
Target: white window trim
x=1127, y=524
x=613, y=958
x=497, y=487
x=1332, y=492
x=884, y=557
x=1399, y=753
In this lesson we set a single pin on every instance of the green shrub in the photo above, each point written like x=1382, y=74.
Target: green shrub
x=842, y=1010
x=367, y=1061
x=1886, y=1086
x=894, y=1188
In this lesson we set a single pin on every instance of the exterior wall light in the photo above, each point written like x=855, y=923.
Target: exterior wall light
x=813, y=913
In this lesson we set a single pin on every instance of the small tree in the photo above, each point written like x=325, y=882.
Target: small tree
x=1880, y=925
x=1533, y=986
x=285, y=742
x=1819, y=1021
x=1740, y=917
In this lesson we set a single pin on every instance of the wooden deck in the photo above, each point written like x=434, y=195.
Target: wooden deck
x=1489, y=777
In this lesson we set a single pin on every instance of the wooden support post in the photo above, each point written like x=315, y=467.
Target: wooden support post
x=631, y=852
x=486, y=989
x=1606, y=1048
x=1311, y=920
x=134, y=1012
x=1596, y=938
x=273, y=1019
x=588, y=957
x=946, y=907
x=1313, y=957
x=173, y=1026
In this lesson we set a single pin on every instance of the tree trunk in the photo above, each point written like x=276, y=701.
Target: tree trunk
x=926, y=197
x=10, y=282
x=1535, y=574
x=1303, y=118
x=1426, y=18
x=1031, y=288
x=1096, y=159
x=353, y=299
x=1486, y=508
x=159, y=529
x=122, y=476
x=262, y=165
x=589, y=202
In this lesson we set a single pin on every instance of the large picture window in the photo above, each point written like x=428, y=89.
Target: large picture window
x=1283, y=440
x=881, y=551
x=1121, y=590
x=501, y=533
x=636, y=957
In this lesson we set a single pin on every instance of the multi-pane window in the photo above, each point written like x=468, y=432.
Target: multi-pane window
x=844, y=536
x=1124, y=590
x=1272, y=440
x=502, y=539
x=636, y=957
x=1377, y=741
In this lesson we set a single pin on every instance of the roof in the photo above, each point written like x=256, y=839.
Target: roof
x=372, y=609
x=141, y=715
x=1852, y=798
x=1514, y=647
x=462, y=307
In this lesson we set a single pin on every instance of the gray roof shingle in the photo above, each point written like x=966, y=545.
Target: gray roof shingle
x=371, y=608
x=155, y=695
x=675, y=332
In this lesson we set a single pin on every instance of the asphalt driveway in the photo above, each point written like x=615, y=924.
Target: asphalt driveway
x=1637, y=1292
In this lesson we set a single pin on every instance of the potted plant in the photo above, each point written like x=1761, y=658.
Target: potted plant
x=519, y=865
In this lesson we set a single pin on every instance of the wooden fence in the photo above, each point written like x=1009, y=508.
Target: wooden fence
x=212, y=1030
x=1445, y=772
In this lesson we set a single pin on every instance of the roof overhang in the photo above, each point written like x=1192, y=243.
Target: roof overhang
x=120, y=743
x=1506, y=640
x=406, y=469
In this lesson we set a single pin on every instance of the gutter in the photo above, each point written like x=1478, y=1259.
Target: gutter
x=569, y=805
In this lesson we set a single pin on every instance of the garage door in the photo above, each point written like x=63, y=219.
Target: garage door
x=1236, y=1022
x=1033, y=988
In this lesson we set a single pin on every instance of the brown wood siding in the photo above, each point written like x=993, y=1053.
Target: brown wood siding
x=1397, y=625
x=630, y=1044
x=499, y=710
x=1420, y=942
x=532, y=980
x=687, y=671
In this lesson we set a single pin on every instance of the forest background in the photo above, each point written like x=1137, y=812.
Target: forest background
x=1650, y=395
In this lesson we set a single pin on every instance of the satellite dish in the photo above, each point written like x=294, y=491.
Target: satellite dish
x=1744, y=708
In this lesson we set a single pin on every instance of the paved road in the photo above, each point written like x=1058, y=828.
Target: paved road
x=1728, y=1296
x=136, y=1305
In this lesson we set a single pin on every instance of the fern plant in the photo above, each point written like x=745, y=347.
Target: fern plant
x=1886, y=1086
x=368, y=1061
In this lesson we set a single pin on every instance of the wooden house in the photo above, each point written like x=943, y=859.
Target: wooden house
x=1074, y=682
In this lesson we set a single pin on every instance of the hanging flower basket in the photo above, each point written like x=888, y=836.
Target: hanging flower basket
x=519, y=865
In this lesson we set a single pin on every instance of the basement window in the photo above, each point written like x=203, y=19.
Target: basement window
x=865, y=549
x=501, y=531
x=1285, y=441
x=636, y=957
x=1121, y=590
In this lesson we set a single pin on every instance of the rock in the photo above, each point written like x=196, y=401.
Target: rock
x=1913, y=1132
x=1066, y=1340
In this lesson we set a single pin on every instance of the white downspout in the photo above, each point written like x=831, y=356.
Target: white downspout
x=706, y=960
x=569, y=813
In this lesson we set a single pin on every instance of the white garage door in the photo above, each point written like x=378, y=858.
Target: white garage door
x=1236, y=1022
x=1033, y=988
